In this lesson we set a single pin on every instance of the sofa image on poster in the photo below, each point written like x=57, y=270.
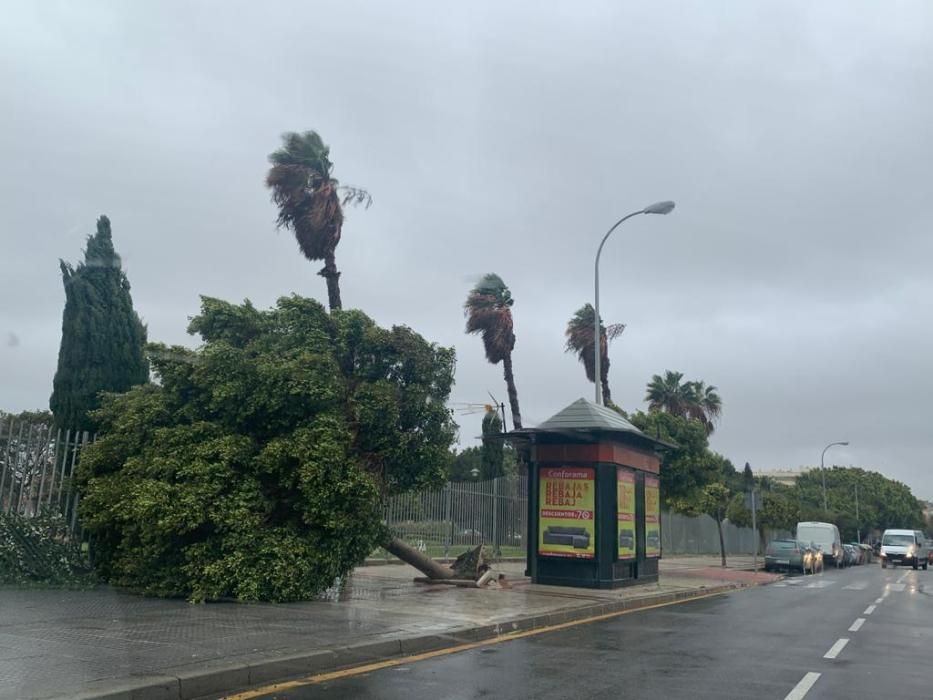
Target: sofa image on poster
x=627, y=539
x=575, y=537
x=653, y=541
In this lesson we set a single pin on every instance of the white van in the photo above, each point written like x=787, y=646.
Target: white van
x=826, y=537
x=904, y=547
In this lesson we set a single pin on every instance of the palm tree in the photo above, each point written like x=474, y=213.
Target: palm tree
x=580, y=340
x=488, y=311
x=705, y=404
x=668, y=394
x=311, y=202
x=693, y=400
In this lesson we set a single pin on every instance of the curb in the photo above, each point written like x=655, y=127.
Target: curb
x=196, y=683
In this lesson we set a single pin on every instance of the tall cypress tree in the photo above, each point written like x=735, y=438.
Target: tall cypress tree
x=102, y=337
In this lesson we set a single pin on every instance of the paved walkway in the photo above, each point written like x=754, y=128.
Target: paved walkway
x=103, y=643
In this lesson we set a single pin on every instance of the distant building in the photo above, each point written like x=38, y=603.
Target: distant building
x=787, y=477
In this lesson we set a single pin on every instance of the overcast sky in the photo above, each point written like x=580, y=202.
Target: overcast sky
x=795, y=137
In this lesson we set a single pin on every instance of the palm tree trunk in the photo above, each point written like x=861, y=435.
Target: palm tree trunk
x=330, y=274
x=607, y=397
x=513, y=393
x=722, y=542
x=410, y=555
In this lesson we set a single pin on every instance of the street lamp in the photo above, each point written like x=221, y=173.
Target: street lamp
x=823, y=471
x=665, y=207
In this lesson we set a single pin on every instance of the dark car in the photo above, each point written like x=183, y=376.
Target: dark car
x=791, y=555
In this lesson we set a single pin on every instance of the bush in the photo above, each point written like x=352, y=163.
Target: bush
x=37, y=551
x=256, y=467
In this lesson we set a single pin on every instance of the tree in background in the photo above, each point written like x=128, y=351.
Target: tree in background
x=580, y=341
x=704, y=404
x=103, y=340
x=696, y=400
x=488, y=311
x=311, y=201
x=493, y=452
x=688, y=466
x=668, y=394
x=466, y=465
x=258, y=466
x=748, y=478
x=714, y=501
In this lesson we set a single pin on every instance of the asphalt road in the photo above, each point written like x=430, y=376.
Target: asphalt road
x=799, y=638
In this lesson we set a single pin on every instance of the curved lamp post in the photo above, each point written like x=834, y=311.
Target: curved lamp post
x=665, y=207
x=823, y=471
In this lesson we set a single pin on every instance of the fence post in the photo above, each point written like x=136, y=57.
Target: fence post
x=496, y=550
x=64, y=460
x=45, y=465
x=23, y=460
x=19, y=442
x=448, y=488
x=6, y=461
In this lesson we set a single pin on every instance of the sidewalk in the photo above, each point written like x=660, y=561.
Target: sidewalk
x=106, y=644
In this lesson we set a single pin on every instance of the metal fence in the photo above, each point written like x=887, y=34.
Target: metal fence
x=681, y=534
x=445, y=522
x=37, y=464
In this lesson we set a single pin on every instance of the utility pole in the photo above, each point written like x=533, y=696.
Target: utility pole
x=755, y=530
x=858, y=524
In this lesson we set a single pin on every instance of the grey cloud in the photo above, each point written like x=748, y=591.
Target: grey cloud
x=508, y=137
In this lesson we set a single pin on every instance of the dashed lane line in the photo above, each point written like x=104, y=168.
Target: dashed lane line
x=803, y=687
x=869, y=610
x=857, y=625
x=836, y=648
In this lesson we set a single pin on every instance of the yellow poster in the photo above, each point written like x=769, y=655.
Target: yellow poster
x=566, y=517
x=625, y=493
x=652, y=517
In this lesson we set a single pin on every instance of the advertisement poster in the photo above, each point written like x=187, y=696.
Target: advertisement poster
x=652, y=517
x=625, y=492
x=566, y=518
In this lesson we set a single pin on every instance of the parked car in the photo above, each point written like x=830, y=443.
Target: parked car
x=826, y=536
x=867, y=553
x=904, y=547
x=792, y=555
x=852, y=555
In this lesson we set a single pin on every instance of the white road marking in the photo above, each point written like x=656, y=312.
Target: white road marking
x=857, y=625
x=869, y=610
x=885, y=593
x=896, y=587
x=820, y=584
x=905, y=575
x=803, y=687
x=836, y=648
x=857, y=586
x=878, y=601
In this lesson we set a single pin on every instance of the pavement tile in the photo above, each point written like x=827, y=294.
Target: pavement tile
x=65, y=643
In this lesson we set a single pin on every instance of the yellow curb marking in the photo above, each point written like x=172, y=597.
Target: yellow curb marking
x=404, y=660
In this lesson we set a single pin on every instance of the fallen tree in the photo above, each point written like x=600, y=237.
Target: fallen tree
x=257, y=465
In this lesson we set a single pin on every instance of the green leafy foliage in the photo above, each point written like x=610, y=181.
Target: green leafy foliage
x=37, y=551
x=256, y=468
x=690, y=465
x=103, y=340
x=882, y=503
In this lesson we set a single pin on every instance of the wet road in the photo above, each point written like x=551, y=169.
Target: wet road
x=857, y=633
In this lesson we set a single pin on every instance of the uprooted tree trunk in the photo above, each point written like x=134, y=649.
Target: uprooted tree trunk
x=470, y=565
x=422, y=562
